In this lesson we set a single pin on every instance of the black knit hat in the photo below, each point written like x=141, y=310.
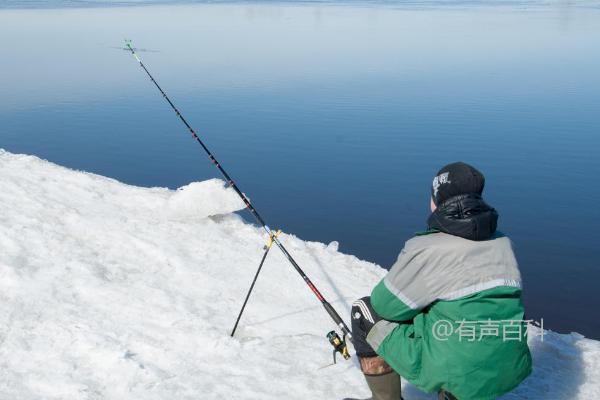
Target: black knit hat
x=456, y=179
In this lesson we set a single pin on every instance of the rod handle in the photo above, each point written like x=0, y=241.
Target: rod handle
x=337, y=319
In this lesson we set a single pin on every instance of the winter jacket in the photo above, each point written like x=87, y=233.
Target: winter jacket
x=452, y=307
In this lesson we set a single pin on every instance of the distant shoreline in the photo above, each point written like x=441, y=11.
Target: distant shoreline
x=393, y=4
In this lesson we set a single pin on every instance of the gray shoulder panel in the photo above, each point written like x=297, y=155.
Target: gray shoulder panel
x=445, y=267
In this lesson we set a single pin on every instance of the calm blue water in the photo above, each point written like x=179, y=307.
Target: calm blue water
x=334, y=119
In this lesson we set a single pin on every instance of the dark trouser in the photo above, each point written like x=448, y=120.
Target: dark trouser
x=363, y=318
x=443, y=395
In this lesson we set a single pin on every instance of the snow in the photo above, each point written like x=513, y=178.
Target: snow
x=110, y=291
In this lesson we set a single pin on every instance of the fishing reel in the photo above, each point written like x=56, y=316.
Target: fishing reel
x=339, y=345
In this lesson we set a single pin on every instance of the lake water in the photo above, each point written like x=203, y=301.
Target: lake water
x=334, y=118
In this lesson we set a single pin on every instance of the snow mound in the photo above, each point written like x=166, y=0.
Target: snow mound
x=202, y=199
x=109, y=291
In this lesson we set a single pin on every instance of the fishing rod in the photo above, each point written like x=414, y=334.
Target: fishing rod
x=333, y=338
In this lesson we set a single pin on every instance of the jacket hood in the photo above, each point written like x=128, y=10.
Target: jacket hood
x=466, y=216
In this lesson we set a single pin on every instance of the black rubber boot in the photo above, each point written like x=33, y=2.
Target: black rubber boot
x=385, y=387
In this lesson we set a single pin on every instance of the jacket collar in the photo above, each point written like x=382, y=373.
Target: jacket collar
x=467, y=216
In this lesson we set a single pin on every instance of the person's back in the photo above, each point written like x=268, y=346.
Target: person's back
x=448, y=315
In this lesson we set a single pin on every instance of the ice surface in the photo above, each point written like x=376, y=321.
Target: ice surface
x=109, y=291
x=392, y=3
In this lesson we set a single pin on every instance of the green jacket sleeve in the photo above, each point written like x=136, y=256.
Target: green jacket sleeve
x=390, y=307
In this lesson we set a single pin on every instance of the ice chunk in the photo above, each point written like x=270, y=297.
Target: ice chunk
x=203, y=199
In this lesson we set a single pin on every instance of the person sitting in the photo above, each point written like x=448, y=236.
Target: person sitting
x=448, y=316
